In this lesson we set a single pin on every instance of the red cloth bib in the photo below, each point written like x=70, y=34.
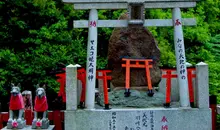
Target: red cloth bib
x=16, y=102
x=40, y=104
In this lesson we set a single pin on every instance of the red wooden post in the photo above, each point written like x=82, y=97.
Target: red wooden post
x=83, y=93
x=28, y=117
x=1, y=122
x=50, y=115
x=168, y=77
x=213, y=106
x=57, y=120
x=147, y=70
x=190, y=84
x=127, y=78
x=105, y=88
x=105, y=78
x=81, y=75
x=62, y=115
x=168, y=87
x=5, y=116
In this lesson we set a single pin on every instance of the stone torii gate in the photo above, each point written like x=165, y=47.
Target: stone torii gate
x=135, y=17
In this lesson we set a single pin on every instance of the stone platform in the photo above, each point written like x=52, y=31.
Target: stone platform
x=28, y=127
x=137, y=99
x=139, y=119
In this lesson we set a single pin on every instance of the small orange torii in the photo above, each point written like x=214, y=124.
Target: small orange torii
x=137, y=63
x=168, y=75
x=81, y=75
x=105, y=79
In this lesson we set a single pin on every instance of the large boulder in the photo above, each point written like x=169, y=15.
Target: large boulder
x=138, y=42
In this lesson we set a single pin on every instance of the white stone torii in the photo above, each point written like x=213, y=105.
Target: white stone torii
x=93, y=23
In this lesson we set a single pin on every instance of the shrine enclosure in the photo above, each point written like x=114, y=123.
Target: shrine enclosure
x=181, y=118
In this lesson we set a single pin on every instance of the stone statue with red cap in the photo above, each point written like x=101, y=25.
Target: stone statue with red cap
x=40, y=109
x=16, y=109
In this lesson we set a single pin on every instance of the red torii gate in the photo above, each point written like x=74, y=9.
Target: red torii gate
x=139, y=63
x=169, y=76
x=81, y=75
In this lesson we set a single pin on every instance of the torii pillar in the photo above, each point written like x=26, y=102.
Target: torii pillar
x=180, y=58
x=91, y=59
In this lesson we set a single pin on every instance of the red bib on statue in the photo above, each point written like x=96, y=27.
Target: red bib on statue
x=40, y=104
x=16, y=102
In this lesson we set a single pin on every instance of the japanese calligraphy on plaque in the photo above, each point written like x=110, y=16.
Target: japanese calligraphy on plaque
x=92, y=23
x=138, y=122
x=181, y=59
x=91, y=61
x=177, y=22
x=151, y=120
x=143, y=121
x=113, y=120
x=164, y=123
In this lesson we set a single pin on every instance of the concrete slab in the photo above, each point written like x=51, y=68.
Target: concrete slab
x=139, y=119
x=28, y=127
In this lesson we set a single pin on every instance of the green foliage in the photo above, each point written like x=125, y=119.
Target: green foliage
x=35, y=37
x=167, y=53
x=101, y=62
x=214, y=46
x=214, y=79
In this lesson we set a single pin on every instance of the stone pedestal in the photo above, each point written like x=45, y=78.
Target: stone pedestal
x=71, y=87
x=51, y=127
x=45, y=124
x=202, y=85
x=149, y=119
x=21, y=124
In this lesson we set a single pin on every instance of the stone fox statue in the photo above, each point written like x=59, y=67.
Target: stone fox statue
x=40, y=108
x=16, y=109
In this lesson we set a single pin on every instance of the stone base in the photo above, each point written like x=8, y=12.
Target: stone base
x=21, y=125
x=45, y=124
x=51, y=127
x=137, y=99
x=139, y=119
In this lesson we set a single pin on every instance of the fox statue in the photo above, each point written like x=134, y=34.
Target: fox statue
x=40, y=108
x=16, y=109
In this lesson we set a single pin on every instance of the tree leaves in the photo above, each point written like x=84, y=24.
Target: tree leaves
x=36, y=35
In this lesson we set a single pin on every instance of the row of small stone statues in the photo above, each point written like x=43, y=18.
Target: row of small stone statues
x=18, y=104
